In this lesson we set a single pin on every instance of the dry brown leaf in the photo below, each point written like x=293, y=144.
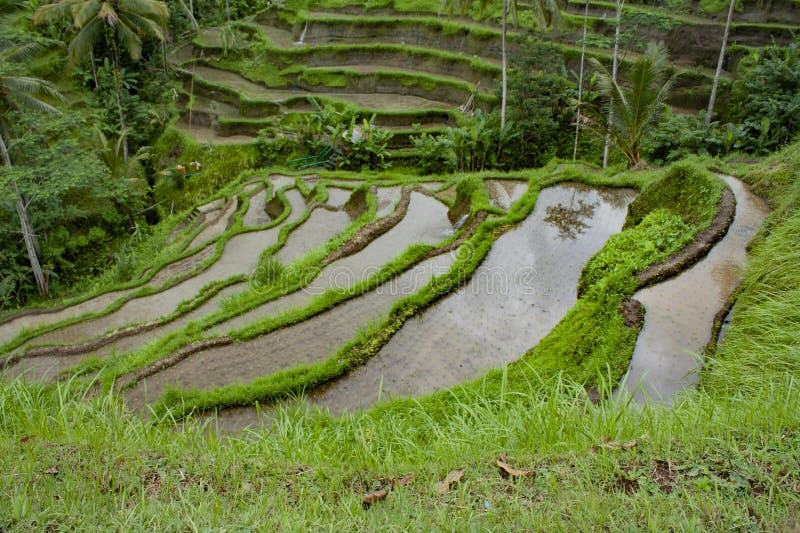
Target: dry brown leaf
x=451, y=479
x=508, y=470
x=617, y=445
x=376, y=496
x=403, y=481
x=300, y=469
x=53, y=471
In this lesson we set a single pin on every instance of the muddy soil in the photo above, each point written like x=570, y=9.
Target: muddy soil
x=48, y=368
x=320, y=227
x=218, y=226
x=504, y=193
x=256, y=214
x=680, y=311
x=308, y=342
x=518, y=294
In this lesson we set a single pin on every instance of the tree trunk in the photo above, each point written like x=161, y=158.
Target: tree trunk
x=580, y=83
x=94, y=69
x=505, y=77
x=31, y=243
x=614, y=77
x=118, y=90
x=713, y=99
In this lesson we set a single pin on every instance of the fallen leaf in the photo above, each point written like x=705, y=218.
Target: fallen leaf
x=617, y=445
x=53, y=471
x=507, y=470
x=376, y=496
x=451, y=479
x=403, y=481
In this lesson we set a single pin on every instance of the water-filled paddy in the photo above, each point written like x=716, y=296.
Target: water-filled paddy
x=679, y=312
x=520, y=292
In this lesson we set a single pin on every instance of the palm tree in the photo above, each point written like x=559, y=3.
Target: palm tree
x=712, y=100
x=22, y=92
x=636, y=107
x=124, y=23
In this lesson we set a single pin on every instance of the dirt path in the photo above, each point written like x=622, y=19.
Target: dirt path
x=680, y=311
x=518, y=294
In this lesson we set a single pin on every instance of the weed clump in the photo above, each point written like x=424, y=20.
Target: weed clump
x=686, y=190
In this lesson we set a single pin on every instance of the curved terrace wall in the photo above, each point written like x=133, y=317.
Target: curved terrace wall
x=410, y=32
x=388, y=58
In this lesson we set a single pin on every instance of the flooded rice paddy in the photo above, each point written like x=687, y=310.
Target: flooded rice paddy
x=523, y=288
x=518, y=294
x=679, y=312
x=307, y=342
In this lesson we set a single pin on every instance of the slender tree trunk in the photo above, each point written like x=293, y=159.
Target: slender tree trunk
x=118, y=91
x=94, y=69
x=614, y=77
x=713, y=99
x=31, y=243
x=505, y=74
x=580, y=83
x=164, y=54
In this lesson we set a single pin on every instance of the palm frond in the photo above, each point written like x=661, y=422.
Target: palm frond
x=130, y=41
x=31, y=86
x=27, y=101
x=152, y=9
x=83, y=42
x=85, y=12
x=54, y=12
x=143, y=26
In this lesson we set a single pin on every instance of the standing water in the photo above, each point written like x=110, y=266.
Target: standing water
x=680, y=312
x=519, y=293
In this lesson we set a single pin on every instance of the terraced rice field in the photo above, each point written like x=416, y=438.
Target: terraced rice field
x=518, y=294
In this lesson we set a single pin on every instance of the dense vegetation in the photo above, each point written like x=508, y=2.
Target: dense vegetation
x=120, y=121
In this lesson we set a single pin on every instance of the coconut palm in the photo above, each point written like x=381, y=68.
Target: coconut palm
x=637, y=105
x=18, y=91
x=124, y=23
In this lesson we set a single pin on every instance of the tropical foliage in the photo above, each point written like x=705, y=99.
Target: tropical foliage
x=637, y=105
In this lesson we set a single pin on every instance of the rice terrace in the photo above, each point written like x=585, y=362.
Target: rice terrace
x=407, y=265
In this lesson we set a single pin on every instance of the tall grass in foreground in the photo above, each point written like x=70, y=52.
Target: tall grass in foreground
x=66, y=463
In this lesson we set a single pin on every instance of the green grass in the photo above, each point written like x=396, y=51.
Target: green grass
x=725, y=457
